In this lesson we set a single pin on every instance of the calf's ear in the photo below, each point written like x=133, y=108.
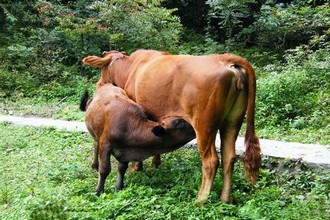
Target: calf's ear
x=159, y=131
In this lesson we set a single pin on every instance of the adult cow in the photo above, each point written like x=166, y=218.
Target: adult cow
x=212, y=93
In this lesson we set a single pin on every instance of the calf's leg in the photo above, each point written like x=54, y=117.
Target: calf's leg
x=104, y=166
x=122, y=167
x=156, y=161
x=95, y=164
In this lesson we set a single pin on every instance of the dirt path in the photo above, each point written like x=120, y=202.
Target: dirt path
x=312, y=154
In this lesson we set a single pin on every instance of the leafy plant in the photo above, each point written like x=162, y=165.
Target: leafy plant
x=296, y=97
x=229, y=16
x=285, y=26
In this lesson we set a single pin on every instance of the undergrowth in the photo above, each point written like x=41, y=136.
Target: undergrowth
x=45, y=174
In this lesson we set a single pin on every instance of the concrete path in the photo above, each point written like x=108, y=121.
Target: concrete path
x=314, y=155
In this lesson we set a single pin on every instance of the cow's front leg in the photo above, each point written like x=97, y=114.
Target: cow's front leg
x=122, y=167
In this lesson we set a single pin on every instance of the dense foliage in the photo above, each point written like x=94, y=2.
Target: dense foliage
x=46, y=174
x=296, y=96
x=42, y=44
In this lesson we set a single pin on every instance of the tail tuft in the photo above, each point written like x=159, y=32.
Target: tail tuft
x=252, y=158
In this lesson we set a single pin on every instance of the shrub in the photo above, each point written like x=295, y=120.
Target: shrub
x=284, y=26
x=297, y=95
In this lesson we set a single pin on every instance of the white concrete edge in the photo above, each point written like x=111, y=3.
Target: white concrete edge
x=308, y=153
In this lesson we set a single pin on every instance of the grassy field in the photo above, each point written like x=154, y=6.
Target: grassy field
x=45, y=174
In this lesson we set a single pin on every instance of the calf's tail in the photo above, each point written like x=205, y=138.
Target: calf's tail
x=251, y=159
x=84, y=101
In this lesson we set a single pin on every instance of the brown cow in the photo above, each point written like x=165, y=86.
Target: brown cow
x=121, y=128
x=212, y=93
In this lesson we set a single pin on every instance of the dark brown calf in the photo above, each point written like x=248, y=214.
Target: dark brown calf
x=121, y=128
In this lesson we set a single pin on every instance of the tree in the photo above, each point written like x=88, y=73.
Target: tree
x=287, y=26
x=226, y=19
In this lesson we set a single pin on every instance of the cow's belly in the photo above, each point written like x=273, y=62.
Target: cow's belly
x=160, y=106
x=166, y=98
x=181, y=99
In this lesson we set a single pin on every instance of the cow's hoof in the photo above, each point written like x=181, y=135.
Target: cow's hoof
x=200, y=203
x=226, y=199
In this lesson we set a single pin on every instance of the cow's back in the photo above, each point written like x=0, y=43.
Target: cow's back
x=182, y=85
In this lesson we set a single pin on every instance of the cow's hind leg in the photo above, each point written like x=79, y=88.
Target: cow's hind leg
x=228, y=136
x=104, y=166
x=136, y=166
x=210, y=163
x=228, y=133
x=122, y=167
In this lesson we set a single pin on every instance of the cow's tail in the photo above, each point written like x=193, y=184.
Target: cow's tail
x=251, y=159
x=97, y=62
x=84, y=101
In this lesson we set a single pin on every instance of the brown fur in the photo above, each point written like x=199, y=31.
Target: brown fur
x=212, y=93
x=121, y=128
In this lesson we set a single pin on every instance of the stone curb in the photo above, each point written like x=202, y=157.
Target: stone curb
x=313, y=155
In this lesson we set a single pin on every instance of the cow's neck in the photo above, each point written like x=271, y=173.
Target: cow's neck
x=119, y=72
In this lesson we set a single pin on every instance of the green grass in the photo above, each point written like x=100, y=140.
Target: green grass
x=41, y=107
x=304, y=135
x=45, y=174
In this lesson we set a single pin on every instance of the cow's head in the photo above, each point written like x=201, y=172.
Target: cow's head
x=101, y=62
x=177, y=128
x=104, y=63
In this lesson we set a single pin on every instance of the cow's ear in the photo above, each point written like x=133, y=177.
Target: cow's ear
x=159, y=131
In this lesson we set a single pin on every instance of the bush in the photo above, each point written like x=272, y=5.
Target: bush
x=139, y=24
x=43, y=55
x=296, y=96
x=285, y=26
x=14, y=84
